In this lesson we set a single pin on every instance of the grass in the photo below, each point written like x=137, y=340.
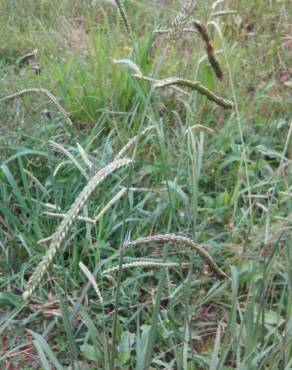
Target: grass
x=220, y=177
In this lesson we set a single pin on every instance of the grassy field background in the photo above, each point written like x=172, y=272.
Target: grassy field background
x=219, y=177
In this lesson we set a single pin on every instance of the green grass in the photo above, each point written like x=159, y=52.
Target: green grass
x=228, y=188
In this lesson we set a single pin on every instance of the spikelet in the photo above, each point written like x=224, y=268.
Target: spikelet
x=131, y=65
x=226, y=104
x=90, y=277
x=148, y=264
x=111, y=203
x=181, y=240
x=27, y=57
x=36, y=181
x=200, y=128
x=67, y=222
x=63, y=215
x=154, y=81
x=84, y=156
x=181, y=17
x=133, y=141
x=70, y=156
x=202, y=30
x=43, y=91
x=167, y=30
x=138, y=74
x=123, y=16
x=45, y=240
x=223, y=13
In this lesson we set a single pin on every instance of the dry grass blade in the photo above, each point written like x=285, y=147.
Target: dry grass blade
x=224, y=103
x=182, y=16
x=203, y=31
x=180, y=240
x=223, y=13
x=67, y=222
x=45, y=240
x=43, y=91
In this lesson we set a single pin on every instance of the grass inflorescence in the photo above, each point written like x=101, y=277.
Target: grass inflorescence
x=224, y=103
x=180, y=18
x=123, y=15
x=68, y=220
x=203, y=31
x=183, y=242
x=42, y=91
